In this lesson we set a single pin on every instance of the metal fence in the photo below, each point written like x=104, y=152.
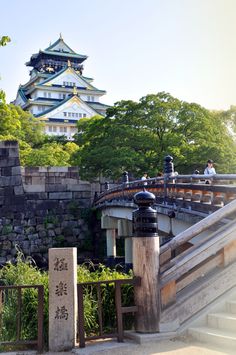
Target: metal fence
x=16, y=292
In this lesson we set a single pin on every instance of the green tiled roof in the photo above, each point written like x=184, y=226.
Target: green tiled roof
x=65, y=54
x=56, y=43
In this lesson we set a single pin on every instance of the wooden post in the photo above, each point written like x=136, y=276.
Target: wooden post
x=146, y=264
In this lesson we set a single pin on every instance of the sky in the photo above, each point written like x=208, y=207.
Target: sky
x=134, y=47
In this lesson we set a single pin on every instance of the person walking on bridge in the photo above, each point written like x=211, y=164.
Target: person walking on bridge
x=144, y=178
x=209, y=170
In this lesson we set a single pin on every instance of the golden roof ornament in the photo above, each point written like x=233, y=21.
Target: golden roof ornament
x=69, y=63
x=75, y=92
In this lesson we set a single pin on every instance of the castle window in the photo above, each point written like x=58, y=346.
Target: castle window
x=84, y=115
x=50, y=128
x=54, y=128
x=63, y=129
x=65, y=114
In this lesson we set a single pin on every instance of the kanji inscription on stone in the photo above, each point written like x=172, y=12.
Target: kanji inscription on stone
x=61, y=289
x=60, y=264
x=61, y=313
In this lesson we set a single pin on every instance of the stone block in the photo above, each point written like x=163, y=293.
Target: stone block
x=60, y=195
x=19, y=229
x=9, y=162
x=34, y=188
x=15, y=180
x=16, y=170
x=42, y=234
x=12, y=236
x=84, y=203
x=40, y=227
x=7, y=191
x=36, y=195
x=58, y=169
x=82, y=187
x=69, y=181
x=13, y=152
x=4, y=152
x=55, y=188
x=51, y=233
x=3, y=260
x=4, y=181
x=34, y=248
x=38, y=180
x=31, y=222
x=6, y=171
x=18, y=190
x=33, y=236
x=5, y=245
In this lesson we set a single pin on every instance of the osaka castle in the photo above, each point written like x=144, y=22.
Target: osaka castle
x=57, y=92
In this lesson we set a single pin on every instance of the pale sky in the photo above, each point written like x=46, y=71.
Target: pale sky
x=135, y=47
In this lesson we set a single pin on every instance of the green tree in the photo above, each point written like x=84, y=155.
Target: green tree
x=135, y=136
x=52, y=154
x=4, y=40
x=20, y=124
x=2, y=96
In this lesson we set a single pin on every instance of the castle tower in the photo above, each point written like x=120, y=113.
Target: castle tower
x=57, y=93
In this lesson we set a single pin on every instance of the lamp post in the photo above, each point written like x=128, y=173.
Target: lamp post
x=168, y=171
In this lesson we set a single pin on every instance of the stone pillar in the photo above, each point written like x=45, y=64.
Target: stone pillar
x=62, y=298
x=146, y=264
x=125, y=230
x=128, y=253
x=111, y=243
x=110, y=224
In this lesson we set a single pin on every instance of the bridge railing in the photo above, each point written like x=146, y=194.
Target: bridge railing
x=209, y=265
x=220, y=190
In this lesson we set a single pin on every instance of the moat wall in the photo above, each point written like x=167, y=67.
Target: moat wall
x=42, y=208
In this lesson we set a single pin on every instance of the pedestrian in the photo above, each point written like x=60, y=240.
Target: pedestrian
x=144, y=178
x=160, y=175
x=209, y=169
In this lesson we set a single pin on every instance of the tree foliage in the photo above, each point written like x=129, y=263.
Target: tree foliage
x=4, y=40
x=135, y=136
x=53, y=154
x=20, y=124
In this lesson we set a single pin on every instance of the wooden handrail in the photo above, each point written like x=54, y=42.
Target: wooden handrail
x=199, y=227
x=203, y=252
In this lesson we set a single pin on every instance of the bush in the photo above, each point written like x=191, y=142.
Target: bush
x=25, y=272
x=102, y=273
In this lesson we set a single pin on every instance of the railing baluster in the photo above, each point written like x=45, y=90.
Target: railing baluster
x=40, y=318
x=100, y=308
x=81, y=316
x=119, y=311
x=18, y=314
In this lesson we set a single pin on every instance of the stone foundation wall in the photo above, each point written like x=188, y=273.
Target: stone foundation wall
x=42, y=208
